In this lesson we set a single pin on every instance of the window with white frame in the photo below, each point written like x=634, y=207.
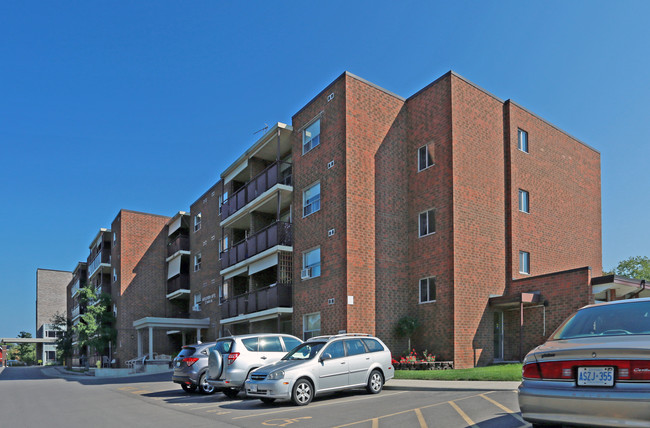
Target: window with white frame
x=427, y=223
x=522, y=143
x=114, y=239
x=222, y=200
x=310, y=264
x=427, y=290
x=197, y=262
x=197, y=222
x=425, y=157
x=311, y=136
x=524, y=262
x=223, y=245
x=523, y=201
x=197, y=302
x=310, y=325
x=311, y=199
x=114, y=275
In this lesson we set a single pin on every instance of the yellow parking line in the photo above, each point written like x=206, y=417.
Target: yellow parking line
x=406, y=411
x=375, y=423
x=208, y=406
x=142, y=391
x=320, y=405
x=507, y=410
x=467, y=419
x=423, y=423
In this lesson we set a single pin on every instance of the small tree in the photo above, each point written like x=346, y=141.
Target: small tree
x=637, y=267
x=64, y=338
x=95, y=328
x=25, y=351
x=405, y=327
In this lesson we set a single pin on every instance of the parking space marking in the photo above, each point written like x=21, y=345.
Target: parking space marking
x=142, y=391
x=463, y=415
x=208, y=406
x=375, y=423
x=505, y=409
x=407, y=411
x=320, y=405
x=423, y=423
x=283, y=422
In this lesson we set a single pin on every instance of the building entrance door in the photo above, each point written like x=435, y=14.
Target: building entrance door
x=498, y=335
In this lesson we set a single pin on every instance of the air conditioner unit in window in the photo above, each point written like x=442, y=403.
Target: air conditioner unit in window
x=305, y=273
x=196, y=308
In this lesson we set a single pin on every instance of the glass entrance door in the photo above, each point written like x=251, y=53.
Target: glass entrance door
x=498, y=335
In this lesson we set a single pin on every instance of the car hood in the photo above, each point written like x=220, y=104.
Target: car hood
x=280, y=365
x=636, y=346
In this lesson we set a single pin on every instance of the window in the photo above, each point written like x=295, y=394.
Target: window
x=427, y=290
x=523, y=201
x=311, y=137
x=197, y=262
x=524, y=262
x=311, y=200
x=335, y=350
x=523, y=140
x=427, y=223
x=197, y=302
x=114, y=275
x=223, y=245
x=250, y=344
x=373, y=345
x=50, y=355
x=270, y=344
x=310, y=264
x=197, y=222
x=354, y=347
x=222, y=200
x=290, y=343
x=425, y=158
x=114, y=239
x=310, y=325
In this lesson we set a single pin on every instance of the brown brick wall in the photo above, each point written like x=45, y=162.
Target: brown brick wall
x=51, y=295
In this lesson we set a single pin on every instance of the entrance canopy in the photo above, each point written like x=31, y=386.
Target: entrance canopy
x=618, y=287
x=46, y=340
x=515, y=300
x=181, y=325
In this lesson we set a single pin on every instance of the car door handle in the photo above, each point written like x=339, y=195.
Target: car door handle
x=264, y=358
x=342, y=362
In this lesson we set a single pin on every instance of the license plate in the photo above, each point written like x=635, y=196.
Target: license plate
x=252, y=387
x=595, y=376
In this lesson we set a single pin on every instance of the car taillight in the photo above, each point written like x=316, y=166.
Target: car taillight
x=638, y=370
x=531, y=371
x=189, y=361
x=232, y=357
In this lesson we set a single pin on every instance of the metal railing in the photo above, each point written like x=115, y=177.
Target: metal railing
x=103, y=257
x=275, y=296
x=75, y=288
x=180, y=282
x=75, y=311
x=181, y=243
x=272, y=175
x=278, y=233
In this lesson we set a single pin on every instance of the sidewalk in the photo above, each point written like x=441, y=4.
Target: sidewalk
x=435, y=385
x=60, y=371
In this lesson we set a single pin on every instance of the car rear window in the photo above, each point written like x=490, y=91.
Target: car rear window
x=270, y=344
x=373, y=345
x=250, y=344
x=187, y=351
x=290, y=343
x=224, y=346
x=607, y=320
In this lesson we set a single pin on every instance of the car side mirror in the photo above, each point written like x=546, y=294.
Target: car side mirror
x=325, y=356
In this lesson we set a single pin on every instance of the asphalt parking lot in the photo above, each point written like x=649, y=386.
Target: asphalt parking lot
x=402, y=403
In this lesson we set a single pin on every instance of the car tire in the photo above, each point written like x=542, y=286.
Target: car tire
x=375, y=382
x=267, y=400
x=204, y=386
x=303, y=392
x=231, y=392
x=188, y=388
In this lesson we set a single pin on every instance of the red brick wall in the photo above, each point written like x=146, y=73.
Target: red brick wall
x=478, y=216
x=562, y=175
x=565, y=292
x=139, y=259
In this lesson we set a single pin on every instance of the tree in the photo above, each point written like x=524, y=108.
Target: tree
x=637, y=267
x=25, y=351
x=95, y=328
x=405, y=327
x=64, y=338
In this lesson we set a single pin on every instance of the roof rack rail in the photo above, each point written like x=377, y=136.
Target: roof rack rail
x=334, y=336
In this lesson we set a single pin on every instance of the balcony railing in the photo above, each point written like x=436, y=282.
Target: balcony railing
x=180, y=282
x=75, y=288
x=277, y=296
x=103, y=257
x=278, y=233
x=181, y=243
x=262, y=182
x=75, y=311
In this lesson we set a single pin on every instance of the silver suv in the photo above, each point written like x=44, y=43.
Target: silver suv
x=324, y=364
x=191, y=366
x=233, y=358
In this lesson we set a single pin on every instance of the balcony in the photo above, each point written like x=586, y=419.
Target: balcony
x=75, y=288
x=181, y=243
x=278, y=233
x=75, y=312
x=276, y=173
x=180, y=282
x=102, y=259
x=258, y=300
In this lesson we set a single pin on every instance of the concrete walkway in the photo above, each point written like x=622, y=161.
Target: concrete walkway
x=60, y=371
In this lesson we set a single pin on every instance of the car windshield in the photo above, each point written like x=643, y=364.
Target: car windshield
x=607, y=320
x=306, y=351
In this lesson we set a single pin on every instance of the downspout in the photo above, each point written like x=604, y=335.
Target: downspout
x=635, y=295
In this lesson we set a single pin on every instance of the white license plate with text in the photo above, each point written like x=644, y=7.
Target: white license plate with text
x=595, y=376
x=253, y=387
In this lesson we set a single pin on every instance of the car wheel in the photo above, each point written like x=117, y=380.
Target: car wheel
x=303, y=392
x=375, y=382
x=267, y=400
x=204, y=386
x=188, y=388
x=230, y=392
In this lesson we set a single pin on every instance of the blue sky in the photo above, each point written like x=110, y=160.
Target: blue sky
x=140, y=105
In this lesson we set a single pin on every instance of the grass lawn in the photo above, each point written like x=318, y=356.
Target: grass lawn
x=503, y=372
